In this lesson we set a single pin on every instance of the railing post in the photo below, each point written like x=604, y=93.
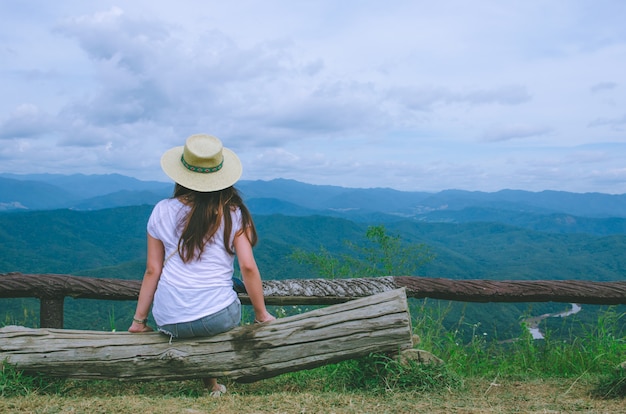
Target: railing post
x=51, y=312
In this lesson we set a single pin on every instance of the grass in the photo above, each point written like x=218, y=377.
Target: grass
x=578, y=373
x=586, y=349
x=475, y=396
x=612, y=385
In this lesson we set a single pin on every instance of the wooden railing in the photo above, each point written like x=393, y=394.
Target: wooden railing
x=51, y=290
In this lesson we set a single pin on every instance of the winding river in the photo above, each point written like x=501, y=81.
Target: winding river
x=533, y=323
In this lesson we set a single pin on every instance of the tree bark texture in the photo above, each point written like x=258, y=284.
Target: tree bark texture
x=379, y=323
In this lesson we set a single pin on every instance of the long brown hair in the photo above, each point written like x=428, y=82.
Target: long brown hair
x=205, y=217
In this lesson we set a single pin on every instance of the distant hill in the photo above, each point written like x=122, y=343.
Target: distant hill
x=262, y=205
x=32, y=195
x=326, y=198
x=88, y=186
x=67, y=241
x=580, y=204
x=548, y=222
x=77, y=191
x=549, y=211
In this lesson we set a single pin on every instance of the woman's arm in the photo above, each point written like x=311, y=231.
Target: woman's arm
x=251, y=278
x=154, y=266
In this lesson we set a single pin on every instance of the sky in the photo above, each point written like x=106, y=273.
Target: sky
x=406, y=94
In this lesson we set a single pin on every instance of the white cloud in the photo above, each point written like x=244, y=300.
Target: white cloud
x=603, y=86
x=26, y=121
x=514, y=131
x=616, y=124
x=428, y=98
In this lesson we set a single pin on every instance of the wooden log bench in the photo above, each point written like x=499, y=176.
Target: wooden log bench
x=376, y=324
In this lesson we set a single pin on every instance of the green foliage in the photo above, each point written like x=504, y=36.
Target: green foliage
x=14, y=383
x=374, y=373
x=111, y=243
x=323, y=263
x=503, y=252
x=588, y=350
x=67, y=242
x=382, y=373
x=385, y=254
x=21, y=312
x=380, y=254
x=612, y=385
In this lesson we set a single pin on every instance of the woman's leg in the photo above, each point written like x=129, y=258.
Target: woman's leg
x=215, y=389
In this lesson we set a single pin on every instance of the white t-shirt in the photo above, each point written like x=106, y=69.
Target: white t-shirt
x=202, y=287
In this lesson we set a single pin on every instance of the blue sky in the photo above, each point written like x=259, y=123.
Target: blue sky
x=412, y=95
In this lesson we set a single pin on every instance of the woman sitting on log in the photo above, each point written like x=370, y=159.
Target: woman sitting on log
x=193, y=238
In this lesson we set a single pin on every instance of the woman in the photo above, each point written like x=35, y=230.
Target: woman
x=193, y=238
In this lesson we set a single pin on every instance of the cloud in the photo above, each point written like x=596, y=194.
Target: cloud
x=505, y=95
x=615, y=124
x=514, y=131
x=331, y=109
x=26, y=121
x=121, y=105
x=113, y=36
x=154, y=72
x=603, y=87
x=427, y=98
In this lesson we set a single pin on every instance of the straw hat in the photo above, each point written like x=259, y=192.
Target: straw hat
x=203, y=164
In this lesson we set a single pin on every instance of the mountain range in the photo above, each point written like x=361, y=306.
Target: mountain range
x=552, y=211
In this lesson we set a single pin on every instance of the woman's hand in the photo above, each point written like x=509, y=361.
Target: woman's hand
x=264, y=317
x=139, y=327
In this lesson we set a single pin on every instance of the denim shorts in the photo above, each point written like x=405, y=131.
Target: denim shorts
x=219, y=322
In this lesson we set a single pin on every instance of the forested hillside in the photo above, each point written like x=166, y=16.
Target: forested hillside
x=81, y=242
